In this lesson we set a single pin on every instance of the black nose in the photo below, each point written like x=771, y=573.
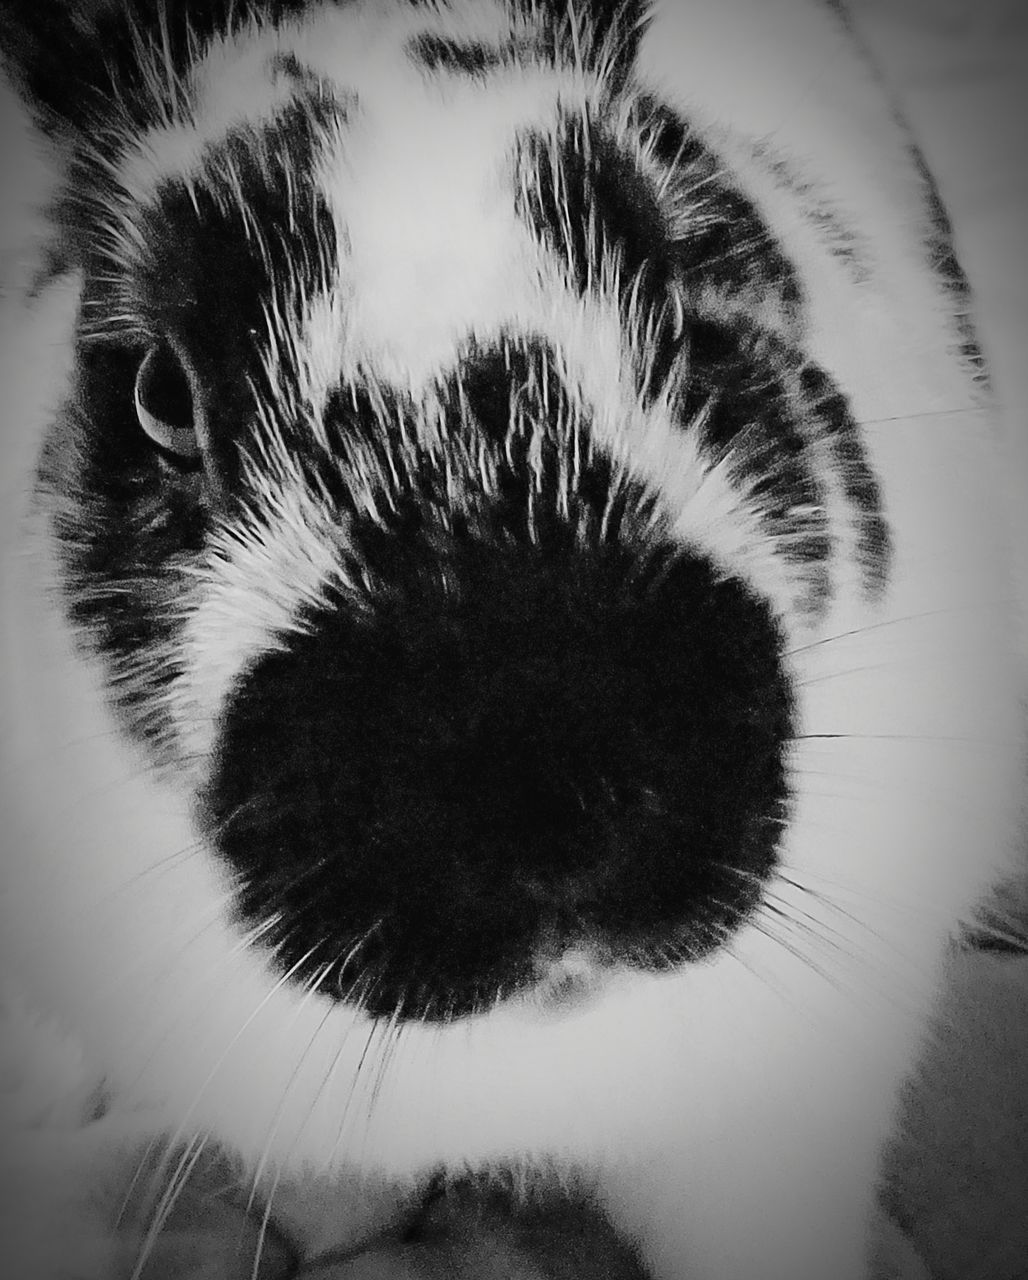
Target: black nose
x=510, y=750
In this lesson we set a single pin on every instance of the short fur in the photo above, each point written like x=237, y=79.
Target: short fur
x=699, y=236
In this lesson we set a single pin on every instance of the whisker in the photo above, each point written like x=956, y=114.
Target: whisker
x=923, y=416
x=276, y=1120
x=141, y=1165
x=262, y=1231
x=973, y=608
x=269, y=995
x=176, y=1185
x=899, y=737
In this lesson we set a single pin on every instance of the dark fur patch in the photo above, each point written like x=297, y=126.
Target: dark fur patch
x=250, y=237
x=860, y=485
x=75, y=61
x=684, y=238
x=947, y=266
x=602, y=37
x=677, y=228
x=742, y=385
x=835, y=229
x=604, y=34
x=528, y=762
x=461, y=57
x=506, y=408
x=538, y=729
x=585, y=196
x=131, y=520
x=214, y=259
x=721, y=240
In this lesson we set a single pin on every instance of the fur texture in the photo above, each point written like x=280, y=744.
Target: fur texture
x=706, y=239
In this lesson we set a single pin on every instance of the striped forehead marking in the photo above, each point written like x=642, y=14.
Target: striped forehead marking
x=237, y=85
x=346, y=198
x=246, y=76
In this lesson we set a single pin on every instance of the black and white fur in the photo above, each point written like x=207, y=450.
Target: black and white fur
x=511, y=658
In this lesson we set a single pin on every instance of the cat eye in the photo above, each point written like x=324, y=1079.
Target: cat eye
x=164, y=406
